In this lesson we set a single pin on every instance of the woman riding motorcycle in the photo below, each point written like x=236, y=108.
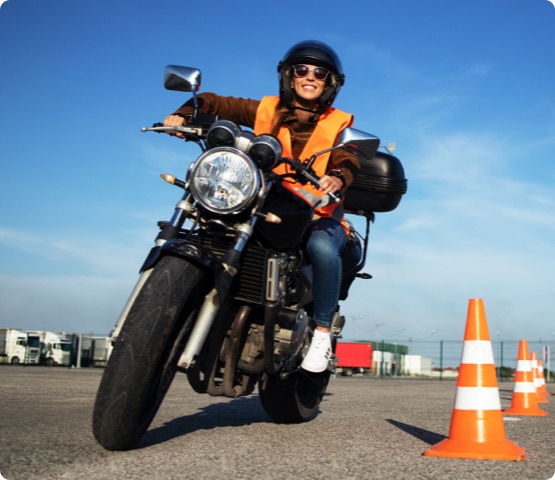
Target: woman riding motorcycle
x=303, y=119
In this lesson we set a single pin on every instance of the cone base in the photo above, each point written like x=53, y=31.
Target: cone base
x=449, y=448
x=525, y=412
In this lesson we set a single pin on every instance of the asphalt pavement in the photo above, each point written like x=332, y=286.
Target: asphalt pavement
x=367, y=428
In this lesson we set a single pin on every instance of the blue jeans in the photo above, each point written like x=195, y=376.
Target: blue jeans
x=325, y=245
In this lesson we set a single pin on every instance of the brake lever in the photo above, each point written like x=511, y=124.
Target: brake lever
x=187, y=130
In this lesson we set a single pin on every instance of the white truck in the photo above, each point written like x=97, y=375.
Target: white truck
x=55, y=348
x=19, y=347
x=94, y=351
x=102, y=350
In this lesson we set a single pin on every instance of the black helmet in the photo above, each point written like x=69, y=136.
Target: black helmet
x=317, y=53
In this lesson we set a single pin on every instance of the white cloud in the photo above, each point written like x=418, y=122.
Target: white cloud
x=75, y=304
x=468, y=228
x=93, y=252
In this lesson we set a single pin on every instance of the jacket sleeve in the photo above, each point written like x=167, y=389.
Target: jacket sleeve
x=345, y=165
x=238, y=110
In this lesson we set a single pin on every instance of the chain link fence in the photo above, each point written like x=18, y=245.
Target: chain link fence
x=441, y=358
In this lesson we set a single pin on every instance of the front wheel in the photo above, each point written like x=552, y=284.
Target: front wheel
x=295, y=398
x=144, y=359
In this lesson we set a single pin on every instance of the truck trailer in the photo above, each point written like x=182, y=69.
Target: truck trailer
x=55, y=348
x=354, y=358
x=94, y=351
x=19, y=347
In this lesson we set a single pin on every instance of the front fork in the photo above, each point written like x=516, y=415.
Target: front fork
x=130, y=301
x=213, y=300
x=169, y=232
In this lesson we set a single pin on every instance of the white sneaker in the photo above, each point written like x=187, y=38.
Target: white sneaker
x=318, y=356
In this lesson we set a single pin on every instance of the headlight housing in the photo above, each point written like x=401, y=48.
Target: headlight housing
x=265, y=150
x=224, y=180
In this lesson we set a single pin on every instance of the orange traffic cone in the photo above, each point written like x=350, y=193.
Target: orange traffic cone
x=537, y=380
x=524, y=400
x=477, y=429
x=543, y=393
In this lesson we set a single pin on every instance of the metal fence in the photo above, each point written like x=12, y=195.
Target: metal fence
x=445, y=356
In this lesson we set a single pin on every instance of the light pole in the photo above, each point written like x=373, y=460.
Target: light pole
x=548, y=355
x=378, y=325
x=395, y=356
x=500, y=356
x=354, y=319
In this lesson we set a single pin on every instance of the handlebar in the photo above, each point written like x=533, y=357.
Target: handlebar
x=196, y=133
x=187, y=130
x=196, y=127
x=302, y=169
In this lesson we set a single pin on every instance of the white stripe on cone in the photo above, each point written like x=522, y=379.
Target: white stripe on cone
x=477, y=398
x=477, y=352
x=524, y=366
x=524, y=387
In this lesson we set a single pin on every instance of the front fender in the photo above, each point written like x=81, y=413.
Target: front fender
x=198, y=255
x=181, y=248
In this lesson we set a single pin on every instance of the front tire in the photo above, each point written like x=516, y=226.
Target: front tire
x=294, y=399
x=144, y=360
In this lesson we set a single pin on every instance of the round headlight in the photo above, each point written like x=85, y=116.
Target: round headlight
x=224, y=180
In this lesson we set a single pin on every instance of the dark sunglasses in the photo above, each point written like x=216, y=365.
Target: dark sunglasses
x=301, y=71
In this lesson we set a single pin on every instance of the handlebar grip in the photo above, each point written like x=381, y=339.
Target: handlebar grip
x=157, y=125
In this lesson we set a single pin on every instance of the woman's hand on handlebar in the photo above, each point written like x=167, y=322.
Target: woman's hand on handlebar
x=175, y=121
x=329, y=184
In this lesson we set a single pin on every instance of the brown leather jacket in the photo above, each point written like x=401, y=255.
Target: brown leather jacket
x=243, y=111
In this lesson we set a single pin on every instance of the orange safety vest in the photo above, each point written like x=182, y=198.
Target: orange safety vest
x=331, y=122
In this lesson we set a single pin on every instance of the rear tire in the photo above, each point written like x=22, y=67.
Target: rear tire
x=144, y=359
x=294, y=399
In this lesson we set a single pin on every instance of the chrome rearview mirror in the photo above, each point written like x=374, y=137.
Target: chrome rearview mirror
x=360, y=142
x=357, y=141
x=182, y=79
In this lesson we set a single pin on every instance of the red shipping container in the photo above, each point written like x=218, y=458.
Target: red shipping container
x=353, y=356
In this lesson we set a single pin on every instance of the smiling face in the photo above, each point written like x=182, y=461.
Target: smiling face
x=307, y=89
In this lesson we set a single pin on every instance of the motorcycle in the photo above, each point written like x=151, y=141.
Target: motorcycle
x=225, y=294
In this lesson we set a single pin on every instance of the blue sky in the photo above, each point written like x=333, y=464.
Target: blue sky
x=465, y=89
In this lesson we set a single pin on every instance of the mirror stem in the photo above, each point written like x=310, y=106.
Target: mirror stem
x=195, y=104
x=311, y=161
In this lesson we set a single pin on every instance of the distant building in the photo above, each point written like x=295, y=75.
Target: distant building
x=389, y=358
x=416, y=365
